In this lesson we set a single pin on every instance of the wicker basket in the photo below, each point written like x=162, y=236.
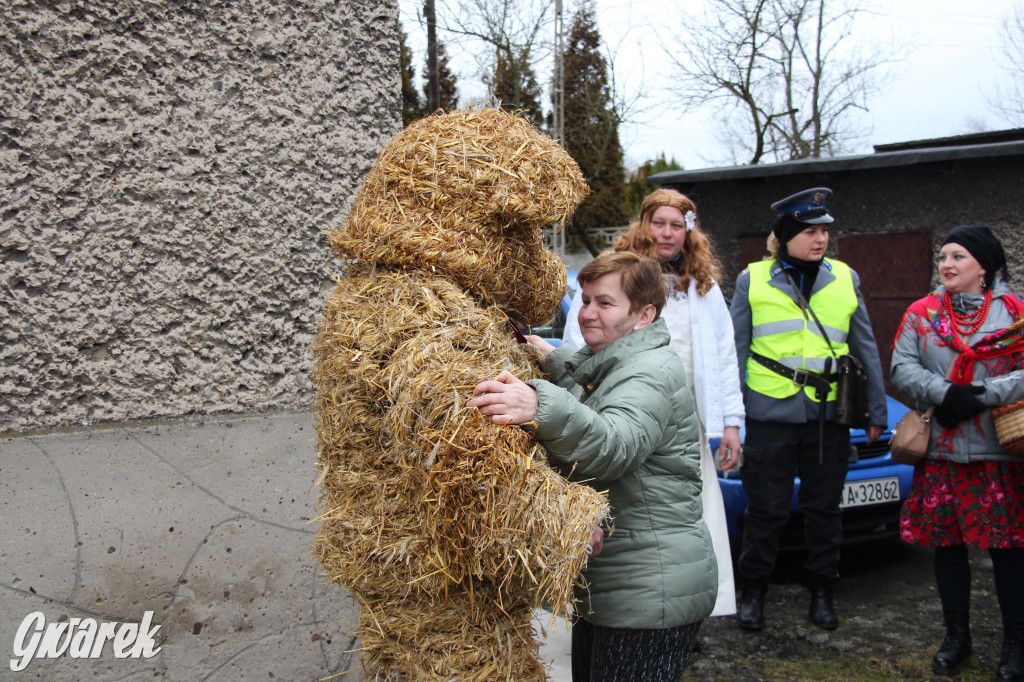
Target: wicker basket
x=1009, y=421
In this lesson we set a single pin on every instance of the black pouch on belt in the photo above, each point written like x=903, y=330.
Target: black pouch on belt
x=850, y=377
x=851, y=392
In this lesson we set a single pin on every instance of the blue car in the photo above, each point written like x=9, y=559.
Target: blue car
x=875, y=489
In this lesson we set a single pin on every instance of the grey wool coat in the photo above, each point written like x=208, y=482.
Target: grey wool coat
x=623, y=420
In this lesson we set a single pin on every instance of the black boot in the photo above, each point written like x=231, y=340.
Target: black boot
x=956, y=645
x=1011, y=662
x=821, y=611
x=751, y=611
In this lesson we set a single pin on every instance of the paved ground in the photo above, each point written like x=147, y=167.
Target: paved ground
x=890, y=624
x=206, y=524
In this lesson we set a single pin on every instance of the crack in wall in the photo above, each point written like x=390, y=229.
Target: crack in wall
x=243, y=513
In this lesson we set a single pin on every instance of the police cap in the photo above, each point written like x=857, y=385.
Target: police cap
x=809, y=206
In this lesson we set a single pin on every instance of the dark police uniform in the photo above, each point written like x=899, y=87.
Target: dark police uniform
x=782, y=423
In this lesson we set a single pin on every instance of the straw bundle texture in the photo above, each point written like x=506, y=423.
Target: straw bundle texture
x=447, y=528
x=488, y=644
x=466, y=193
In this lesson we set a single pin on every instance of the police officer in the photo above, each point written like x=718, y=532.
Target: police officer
x=781, y=311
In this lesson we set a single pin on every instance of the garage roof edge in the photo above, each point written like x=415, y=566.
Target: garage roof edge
x=843, y=163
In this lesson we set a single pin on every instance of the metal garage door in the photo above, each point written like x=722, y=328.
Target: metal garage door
x=895, y=270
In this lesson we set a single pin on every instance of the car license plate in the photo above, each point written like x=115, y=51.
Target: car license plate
x=871, y=491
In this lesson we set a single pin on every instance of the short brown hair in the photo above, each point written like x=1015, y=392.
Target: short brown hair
x=642, y=281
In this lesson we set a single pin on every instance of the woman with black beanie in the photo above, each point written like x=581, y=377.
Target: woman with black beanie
x=968, y=491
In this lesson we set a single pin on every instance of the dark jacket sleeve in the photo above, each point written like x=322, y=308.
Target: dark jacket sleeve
x=863, y=347
x=741, y=323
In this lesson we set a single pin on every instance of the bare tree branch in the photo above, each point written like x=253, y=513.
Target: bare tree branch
x=1009, y=99
x=785, y=68
x=517, y=32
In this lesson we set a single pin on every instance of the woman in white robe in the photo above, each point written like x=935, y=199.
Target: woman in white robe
x=701, y=329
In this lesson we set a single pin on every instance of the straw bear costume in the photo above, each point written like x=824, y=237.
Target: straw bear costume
x=447, y=528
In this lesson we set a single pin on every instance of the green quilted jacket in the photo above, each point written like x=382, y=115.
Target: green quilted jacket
x=623, y=420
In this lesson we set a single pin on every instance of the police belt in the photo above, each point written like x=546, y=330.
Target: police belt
x=800, y=377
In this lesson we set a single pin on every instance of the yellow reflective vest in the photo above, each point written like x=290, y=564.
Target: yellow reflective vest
x=782, y=332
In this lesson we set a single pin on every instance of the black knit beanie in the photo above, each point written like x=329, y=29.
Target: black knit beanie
x=984, y=246
x=786, y=227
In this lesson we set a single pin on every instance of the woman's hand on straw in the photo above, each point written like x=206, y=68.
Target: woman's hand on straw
x=540, y=344
x=507, y=400
x=596, y=543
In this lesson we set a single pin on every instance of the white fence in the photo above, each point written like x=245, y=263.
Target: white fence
x=557, y=239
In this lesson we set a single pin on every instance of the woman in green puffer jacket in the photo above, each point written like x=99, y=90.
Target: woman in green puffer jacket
x=619, y=416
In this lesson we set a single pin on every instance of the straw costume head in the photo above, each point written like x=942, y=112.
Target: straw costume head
x=447, y=528
x=466, y=195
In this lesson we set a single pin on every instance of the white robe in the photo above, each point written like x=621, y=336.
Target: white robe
x=702, y=334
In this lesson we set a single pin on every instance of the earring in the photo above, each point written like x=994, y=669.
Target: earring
x=636, y=328
x=983, y=284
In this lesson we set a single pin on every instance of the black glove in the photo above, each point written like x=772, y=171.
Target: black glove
x=959, y=404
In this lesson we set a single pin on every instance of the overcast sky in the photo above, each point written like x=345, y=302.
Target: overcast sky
x=939, y=89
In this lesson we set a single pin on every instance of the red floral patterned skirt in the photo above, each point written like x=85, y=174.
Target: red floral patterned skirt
x=980, y=504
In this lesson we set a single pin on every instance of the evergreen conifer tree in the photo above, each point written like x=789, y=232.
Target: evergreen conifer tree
x=592, y=128
x=412, y=108
x=446, y=81
x=638, y=189
x=515, y=85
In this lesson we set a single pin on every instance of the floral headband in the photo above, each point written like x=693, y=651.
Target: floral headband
x=691, y=220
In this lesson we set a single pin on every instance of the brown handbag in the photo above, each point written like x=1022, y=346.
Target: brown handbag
x=911, y=435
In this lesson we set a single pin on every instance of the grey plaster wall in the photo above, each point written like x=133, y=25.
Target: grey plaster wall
x=170, y=171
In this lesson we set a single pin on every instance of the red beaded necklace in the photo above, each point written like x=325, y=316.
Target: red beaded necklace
x=968, y=323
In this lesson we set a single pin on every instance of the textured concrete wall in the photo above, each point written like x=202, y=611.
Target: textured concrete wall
x=170, y=172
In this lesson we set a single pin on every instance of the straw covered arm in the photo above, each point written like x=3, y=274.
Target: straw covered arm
x=489, y=503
